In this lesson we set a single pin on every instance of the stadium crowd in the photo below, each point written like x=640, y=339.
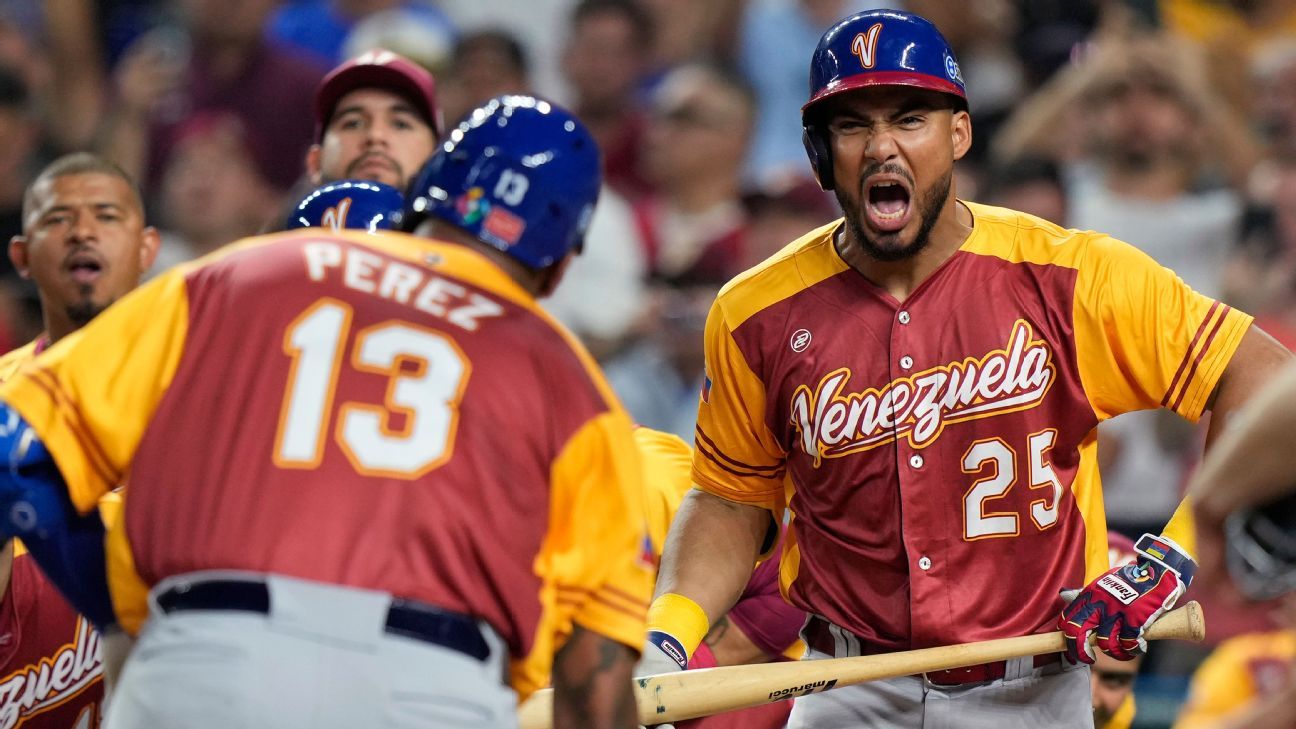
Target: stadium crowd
x=1170, y=124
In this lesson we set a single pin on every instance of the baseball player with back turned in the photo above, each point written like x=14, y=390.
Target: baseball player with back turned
x=919, y=384
x=350, y=545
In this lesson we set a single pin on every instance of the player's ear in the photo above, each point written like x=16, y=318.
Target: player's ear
x=961, y=133
x=313, y=164
x=18, y=255
x=150, y=243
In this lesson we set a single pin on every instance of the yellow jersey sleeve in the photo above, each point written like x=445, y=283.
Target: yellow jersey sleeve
x=1223, y=683
x=735, y=455
x=666, y=461
x=593, y=567
x=91, y=395
x=11, y=362
x=1144, y=338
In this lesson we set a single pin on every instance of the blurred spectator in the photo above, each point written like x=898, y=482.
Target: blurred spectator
x=658, y=379
x=1248, y=682
x=20, y=132
x=1143, y=163
x=217, y=60
x=376, y=118
x=539, y=24
x=695, y=227
x=484, y=64
x=1048, y=33
x=604, y=61
x=1274, y=76
x=426, y=39
x=212, y=190
x=1261, y=276
x=782, y=212
x=321, y=27
x=1232, y=33
x=776, y=39
x=603, y=294
x=1029, y=184
x=686, y=31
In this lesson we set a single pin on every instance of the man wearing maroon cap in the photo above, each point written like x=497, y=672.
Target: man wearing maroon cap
x=376, y=118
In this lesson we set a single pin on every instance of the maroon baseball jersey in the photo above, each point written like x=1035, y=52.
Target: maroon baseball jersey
x=51, y=673
x=383, y=412
x=937, y=455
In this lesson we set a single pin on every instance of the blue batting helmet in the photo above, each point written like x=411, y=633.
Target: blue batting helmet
x=355, y=204
x=875, y=48
x=519, y=173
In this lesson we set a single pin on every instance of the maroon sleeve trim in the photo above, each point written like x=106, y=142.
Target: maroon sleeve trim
x=1218, y=313
x=712, y=451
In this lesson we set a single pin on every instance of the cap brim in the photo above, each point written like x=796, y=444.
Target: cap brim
x=887, y=78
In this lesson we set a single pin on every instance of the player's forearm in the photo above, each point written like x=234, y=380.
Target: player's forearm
x=711, y=550
x=1248, y=460
x=731, y=646
x=592, y=683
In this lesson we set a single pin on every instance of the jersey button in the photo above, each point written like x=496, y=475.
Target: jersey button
x=906, y=361
x=924, y=564
x=916, y=461
x=903, y=317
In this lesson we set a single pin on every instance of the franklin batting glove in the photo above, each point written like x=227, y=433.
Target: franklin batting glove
x=1118, y=606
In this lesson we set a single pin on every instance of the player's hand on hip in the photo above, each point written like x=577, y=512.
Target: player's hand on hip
x=1117, y=607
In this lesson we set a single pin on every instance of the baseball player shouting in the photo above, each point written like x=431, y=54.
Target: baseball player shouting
x=407, y=493
x=918, y=384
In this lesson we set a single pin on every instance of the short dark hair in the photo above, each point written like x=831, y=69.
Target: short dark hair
x=78, y=163
x=640, y=21
x=493, y=39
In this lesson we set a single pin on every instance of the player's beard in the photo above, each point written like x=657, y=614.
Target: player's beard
x=929, y=209
x=396, y=168
x=82, y=312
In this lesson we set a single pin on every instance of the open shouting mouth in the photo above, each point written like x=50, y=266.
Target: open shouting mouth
x=887, y=202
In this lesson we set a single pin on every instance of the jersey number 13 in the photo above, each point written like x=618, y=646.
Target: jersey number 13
x=426, y=394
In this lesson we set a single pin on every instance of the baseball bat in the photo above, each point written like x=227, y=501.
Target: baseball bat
x=668, y=697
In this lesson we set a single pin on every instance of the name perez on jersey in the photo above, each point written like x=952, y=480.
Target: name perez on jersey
x=51, y=681
x=919, y=406
x=370, y=273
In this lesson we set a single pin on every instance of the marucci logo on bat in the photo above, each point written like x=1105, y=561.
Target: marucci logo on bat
x=802, y=690
x=918, y=407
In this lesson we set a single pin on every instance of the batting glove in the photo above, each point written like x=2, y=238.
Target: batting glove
x=662, y=653
x=1118, y=606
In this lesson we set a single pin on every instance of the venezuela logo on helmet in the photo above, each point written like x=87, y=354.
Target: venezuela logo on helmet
x=864, y=45
x=335, y=217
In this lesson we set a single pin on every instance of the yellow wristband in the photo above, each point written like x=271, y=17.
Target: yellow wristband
x=681, y=617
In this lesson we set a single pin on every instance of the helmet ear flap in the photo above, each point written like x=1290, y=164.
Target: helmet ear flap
x=815, y=139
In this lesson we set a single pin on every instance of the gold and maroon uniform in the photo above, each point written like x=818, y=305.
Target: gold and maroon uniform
x=378, y=412
x=938, y=454
x=51, y=669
